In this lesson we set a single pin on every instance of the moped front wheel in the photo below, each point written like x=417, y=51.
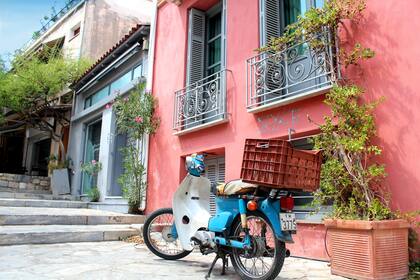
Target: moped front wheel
x=266, y=257
x=158, y=238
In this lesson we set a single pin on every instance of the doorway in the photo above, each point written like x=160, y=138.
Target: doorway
x=92, y=145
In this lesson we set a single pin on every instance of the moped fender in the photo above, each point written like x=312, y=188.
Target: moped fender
x=271, y=210
x=221, y=221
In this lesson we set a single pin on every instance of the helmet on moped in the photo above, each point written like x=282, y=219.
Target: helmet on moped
x=195, y=164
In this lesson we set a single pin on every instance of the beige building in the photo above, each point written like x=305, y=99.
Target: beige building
x=84, y=28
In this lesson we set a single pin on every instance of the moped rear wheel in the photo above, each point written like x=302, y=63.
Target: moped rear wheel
x=157, y=235
x=266, y=257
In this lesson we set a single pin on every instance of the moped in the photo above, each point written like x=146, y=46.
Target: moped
x=251, y=224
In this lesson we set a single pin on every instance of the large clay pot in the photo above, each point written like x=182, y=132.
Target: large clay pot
x=368, y=250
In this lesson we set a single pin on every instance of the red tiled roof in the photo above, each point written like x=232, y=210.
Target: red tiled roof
x=107, y=53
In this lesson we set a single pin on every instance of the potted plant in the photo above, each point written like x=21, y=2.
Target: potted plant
x=60, y=181
x=92, y=169
x=366, y=240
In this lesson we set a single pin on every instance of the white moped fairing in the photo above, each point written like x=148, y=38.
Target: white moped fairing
x=191, y=208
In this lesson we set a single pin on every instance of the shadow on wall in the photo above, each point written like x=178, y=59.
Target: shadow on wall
x=387, y=75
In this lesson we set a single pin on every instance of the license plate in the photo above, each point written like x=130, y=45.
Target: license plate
x=287, y=221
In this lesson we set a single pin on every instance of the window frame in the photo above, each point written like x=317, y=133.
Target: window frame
x=109, y=84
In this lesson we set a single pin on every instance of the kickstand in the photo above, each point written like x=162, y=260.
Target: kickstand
x=212, y=266
x=225, y=264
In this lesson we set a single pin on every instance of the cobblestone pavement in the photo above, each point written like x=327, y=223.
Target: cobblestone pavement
x=120, y=260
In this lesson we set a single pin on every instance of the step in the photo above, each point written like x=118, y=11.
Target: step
x=15, y=190
x=48, y=234
x=64, y=216
x=16, y=202
x=44, y=196
x=120, y=207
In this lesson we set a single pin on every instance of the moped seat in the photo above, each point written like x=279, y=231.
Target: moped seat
x=235, y=187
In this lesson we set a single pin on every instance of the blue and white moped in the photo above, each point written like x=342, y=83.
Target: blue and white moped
x=251, y=224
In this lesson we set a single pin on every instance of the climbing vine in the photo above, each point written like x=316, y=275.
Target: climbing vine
x=351, y=176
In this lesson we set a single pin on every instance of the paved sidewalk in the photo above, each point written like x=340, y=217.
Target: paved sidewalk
x=120, y=260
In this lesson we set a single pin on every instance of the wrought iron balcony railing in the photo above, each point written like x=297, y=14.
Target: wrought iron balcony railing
x=201, y=103
x=291, y=74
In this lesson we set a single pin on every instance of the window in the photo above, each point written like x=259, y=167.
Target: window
x=203, y=101
x=132, y=75
x=122, y=81
x=297, y=72
x=92, y=146
x=74, y=31
x=138, y=72
x=214, y=44
x=205, y=43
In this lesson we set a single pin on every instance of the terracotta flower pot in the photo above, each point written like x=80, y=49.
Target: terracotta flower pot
x=368, y=250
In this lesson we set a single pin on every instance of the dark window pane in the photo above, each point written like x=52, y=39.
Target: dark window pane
x=215, y=26
x=214, y=50
x=213, y=70
x=292, y=8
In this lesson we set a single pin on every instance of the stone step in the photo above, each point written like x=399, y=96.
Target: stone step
x=7, y=189
x=14, y=202
x=63, y=216
x=48, y=234
x=46, y=196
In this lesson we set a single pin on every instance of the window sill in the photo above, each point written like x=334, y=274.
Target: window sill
x=72, y=38
x=292, y=99
x=201, y=126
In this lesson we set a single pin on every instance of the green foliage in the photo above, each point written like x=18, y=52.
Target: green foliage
x=31, y=88
x=350, y=176
x=133, y=178
x=318, y=20
x=92, y=168
x=135, y=113
x=414, y=271
x=55, y=163
x=135, y=116
x=94, y=194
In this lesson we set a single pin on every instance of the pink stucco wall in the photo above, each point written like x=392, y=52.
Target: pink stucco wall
x=389, y=28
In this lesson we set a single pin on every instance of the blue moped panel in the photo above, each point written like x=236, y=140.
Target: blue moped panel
x=220, y=221
x=271, y=210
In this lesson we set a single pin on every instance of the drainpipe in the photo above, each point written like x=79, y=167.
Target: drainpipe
x=149, y=84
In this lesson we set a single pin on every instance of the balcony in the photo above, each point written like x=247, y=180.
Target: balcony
x=200, y=104
x=292, y=74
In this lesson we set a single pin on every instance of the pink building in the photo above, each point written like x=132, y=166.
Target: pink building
x=215, y=90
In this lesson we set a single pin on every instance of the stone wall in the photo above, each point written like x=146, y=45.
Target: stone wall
x=24, y=182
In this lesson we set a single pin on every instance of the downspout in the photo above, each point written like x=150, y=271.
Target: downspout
x=149, y=85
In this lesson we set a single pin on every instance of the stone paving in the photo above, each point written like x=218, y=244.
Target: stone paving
x=120, y=260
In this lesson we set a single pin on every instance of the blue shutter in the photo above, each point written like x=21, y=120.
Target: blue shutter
x=196, y=41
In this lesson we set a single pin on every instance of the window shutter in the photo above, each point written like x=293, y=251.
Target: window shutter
x=270, y=24
x=196, y=40
x=211, y=174
x=215, y=172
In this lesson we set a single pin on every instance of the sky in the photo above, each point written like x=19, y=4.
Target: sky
x=19, y=19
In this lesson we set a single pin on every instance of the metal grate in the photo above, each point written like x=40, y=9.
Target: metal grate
x=201, y=102
x=296, y=70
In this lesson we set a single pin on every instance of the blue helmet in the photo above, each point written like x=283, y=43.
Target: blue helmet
x=195, y=164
